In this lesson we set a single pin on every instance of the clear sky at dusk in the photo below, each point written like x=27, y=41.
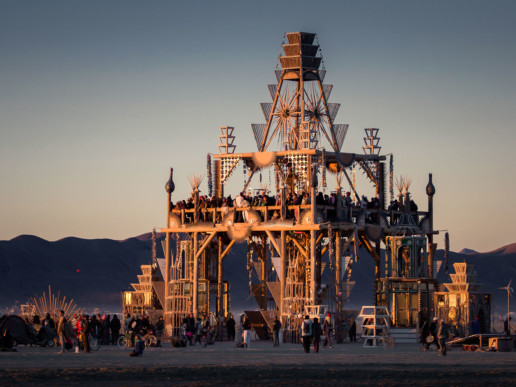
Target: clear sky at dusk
x=99, y=98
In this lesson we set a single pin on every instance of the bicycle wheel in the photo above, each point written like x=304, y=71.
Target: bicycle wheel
x=122, y=342
x=151, y=341
x=94, y=344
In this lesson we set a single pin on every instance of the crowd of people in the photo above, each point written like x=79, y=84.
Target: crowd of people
x=76, y=330
x=436, y=333
x=312, y=331
x=243, y=200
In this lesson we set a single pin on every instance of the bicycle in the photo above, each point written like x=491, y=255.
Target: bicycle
x=126, y=342
x=387, y=342
x=151, y=341
x=94, y=343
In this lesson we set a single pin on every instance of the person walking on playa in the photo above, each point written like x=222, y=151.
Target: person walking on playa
x=230, y=326
x=353, y=332
x=276, y=326
x=432, y=337
x=85, y=328
x=327, y=328
x=306, y=333
x=61, y=330
x=246, y=324
x=442, y=334
x=316, y=334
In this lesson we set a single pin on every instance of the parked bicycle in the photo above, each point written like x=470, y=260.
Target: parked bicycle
x=126, y=342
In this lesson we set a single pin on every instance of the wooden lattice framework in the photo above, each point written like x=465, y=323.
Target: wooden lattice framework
x=288, y=246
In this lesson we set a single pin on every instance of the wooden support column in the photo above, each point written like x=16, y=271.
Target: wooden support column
x=338, y=270
x=220, y=290
x=377, y=271
x=195, y=277
x=263, y=257
x=432, y=247
x=166, y=307
x=283, y=270
x=313, y=266
x=313, y=242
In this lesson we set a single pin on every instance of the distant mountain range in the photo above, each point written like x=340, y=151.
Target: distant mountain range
x=95, y=272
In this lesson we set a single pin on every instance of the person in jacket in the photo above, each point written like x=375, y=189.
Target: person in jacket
x=230, y=326
x=434, y=325
x=246, y=325
x=316, y=334
x=276, y=326
x=327, y=329
x=442, y=335
x=306, y=333
x=115, y=326
x=85, y=332
x=61, y=330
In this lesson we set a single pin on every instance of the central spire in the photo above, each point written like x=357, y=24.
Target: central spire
x=300, y=116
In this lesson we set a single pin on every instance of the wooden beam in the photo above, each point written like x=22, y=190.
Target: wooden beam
x=228, y=249
x=369, y=247
x=204, y=245
x=195, y=305
x=273, y=240
x=283, y=270
x=299, y=247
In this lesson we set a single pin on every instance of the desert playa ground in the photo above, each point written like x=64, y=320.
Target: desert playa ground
x=261, y=364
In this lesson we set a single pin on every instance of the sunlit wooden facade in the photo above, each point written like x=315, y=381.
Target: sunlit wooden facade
x=296, y=254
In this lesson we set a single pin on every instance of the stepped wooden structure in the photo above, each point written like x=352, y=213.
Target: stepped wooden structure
x=296, y=253
x=463, y=301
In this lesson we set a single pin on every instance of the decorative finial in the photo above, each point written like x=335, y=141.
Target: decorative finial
x=430, y=189
x=170, y=186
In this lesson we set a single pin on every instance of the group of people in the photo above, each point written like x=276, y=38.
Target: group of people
x=243, y=200
x=198, y=330
x=76, y=330
x=436, y=333
x=204, y=331
x=103, y=328
x=311, y=332
x=139, y=328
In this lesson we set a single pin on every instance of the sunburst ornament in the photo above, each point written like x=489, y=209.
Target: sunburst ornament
x=195, y=181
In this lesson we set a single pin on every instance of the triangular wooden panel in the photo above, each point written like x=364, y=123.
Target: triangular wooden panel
x=275, y=289
x=258, y=267
x=261, y=299
x=159, y=287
